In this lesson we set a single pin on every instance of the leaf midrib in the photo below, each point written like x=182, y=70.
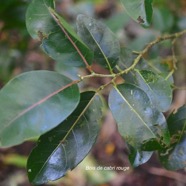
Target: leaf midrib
x=57, y=20
x=134, y=110
x=69, y=131
x=38, y=103
x=100, y=49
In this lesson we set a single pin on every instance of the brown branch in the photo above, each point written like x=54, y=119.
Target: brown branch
x=149, y=46
x=53, y=14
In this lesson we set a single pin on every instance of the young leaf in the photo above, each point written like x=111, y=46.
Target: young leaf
x=64, y=147
x=137, y=157
x=33, y=103
x=156, y=87
x=100, y=39
x=139, y=10
x=137, y=119
x=59, y=40
x=174, y=156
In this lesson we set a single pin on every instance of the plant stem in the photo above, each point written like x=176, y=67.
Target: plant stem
x=56, y=19
x=148, y=47
x=97, y=75
x=136, y=61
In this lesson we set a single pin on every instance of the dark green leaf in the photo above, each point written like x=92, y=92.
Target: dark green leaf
x=38, y=19
x=174, y=156
x=139, y=10
x=156, y=87
x=33, y=103
x=153, y=144
x=59, y=40
x=137, y=119
x=176, y=122
x=66, y=146
x=137, y=157
x=100, y=39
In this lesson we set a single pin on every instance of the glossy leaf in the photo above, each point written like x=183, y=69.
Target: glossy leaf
x=137, y=157
x=100, y=40
x=139, y=10
x=64, y=147
x=70, y=72
x=174, y=156
x=137, y=119
x=59, y=40
x=33, y=103
x=156, y=87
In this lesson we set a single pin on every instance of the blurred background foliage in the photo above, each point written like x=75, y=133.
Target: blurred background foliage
x=19, y=53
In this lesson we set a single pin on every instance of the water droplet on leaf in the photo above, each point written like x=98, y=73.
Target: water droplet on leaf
x=148, y=111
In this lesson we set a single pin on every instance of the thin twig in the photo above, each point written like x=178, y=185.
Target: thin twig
x=149, y=46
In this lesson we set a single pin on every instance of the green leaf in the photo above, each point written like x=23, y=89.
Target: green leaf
x=159, y=66
x=64, y=147
x=100, y=40
x=33, y=103
x=59, y=40
x=137, y=157
x=156, y=87
x=137, y=119
x=174, y=156
x=152, y=77
x=139, y=10
x=70, y=72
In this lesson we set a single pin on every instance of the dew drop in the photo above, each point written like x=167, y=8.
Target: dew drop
x=90, y=24
x=148, y=111
x=29, y=170
x=131, y=92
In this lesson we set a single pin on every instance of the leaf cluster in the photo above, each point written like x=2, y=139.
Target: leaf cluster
x=50, y=105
